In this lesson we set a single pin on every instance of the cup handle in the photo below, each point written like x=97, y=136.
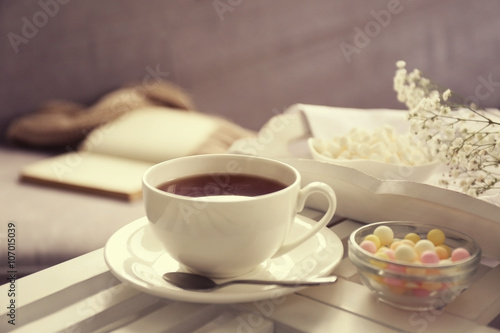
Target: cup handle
x=314, y=187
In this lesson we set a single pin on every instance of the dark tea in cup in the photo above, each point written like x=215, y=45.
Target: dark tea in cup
x=222, y=184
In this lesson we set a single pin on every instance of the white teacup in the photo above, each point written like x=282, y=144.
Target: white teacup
x=228, y=235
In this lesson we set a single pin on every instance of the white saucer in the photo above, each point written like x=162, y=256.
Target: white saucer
x=135, y=257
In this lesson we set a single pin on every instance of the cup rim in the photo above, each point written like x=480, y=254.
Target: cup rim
x=214, y=199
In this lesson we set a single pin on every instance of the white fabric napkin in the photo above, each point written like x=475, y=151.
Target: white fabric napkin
x=327, y=122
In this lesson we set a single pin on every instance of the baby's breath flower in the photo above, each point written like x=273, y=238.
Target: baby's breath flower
x=449, y=133
x=465, y=137
x=401, y=64
x=472, y=192
x=454, y=173
x=446, y=94
x=466, y=149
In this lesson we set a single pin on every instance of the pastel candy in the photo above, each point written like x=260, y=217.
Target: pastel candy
x=396, y=268
x=424, y=245
x=442, y=252
x=429, y=257
x=394, y=245
x=459, y=254
x=416, y=271
x=408, y=242
x=393, y=281
x=432, y=286
x=385, y=234
x=446, y=247
x=413, y=237
x=406, y=253
x=374, y=239
x=390, y=253
x=381, y=264
x=412, y=248
x=436, y=236
x=369, y=246
x=445, y=261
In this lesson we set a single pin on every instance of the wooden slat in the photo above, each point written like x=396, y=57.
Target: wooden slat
x=353, y=297
x=479, y=297
x=82, y=295
x=294, y=313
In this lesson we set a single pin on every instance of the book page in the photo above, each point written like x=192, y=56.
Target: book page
x=152, y=134
x=88, y=172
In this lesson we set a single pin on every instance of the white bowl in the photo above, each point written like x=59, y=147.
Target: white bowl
x=380, y=170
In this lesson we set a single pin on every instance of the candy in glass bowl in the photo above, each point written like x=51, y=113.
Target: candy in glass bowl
x=412, y=265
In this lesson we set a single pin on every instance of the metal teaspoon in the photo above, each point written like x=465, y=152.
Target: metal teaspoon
x=191, y=281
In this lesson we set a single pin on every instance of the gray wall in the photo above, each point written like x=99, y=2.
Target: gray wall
x=244, y=60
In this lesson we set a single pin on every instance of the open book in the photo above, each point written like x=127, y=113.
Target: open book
x=113, y=157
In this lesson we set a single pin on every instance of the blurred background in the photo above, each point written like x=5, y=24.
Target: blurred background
x=244, y=60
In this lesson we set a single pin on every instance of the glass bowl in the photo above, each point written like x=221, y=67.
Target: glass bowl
x=414, y=286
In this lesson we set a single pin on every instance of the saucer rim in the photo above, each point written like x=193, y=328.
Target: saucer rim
x=213, y=297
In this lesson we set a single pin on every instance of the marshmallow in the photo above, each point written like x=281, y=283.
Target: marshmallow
x=381, y=145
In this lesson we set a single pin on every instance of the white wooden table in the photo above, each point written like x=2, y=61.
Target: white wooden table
x=81, y=295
